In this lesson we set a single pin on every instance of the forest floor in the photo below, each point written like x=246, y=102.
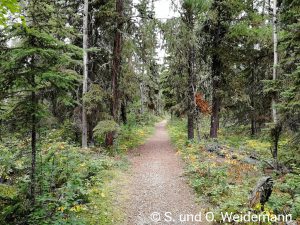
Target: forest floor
x=155, y=191
x=223, y=172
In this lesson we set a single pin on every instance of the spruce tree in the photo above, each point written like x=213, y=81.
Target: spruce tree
x=36, y=65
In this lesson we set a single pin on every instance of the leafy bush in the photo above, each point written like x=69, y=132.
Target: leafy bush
x=287, y=194
x=295, y=210
x=104, y=127
x=65, y=174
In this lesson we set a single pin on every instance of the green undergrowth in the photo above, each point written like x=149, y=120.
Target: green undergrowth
x=238, y=138
x=260, y=144
x=223, y=179
x=133, y=136
x=67, y=177
x=74, y=185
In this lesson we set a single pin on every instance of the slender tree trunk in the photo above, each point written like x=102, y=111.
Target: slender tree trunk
x=123, y=112
x=142, y=96
x=33, y=142
x=253, y=116
x=263, y=7
x=189, y=20
x=198, y=126
x=276, y=131
x=253, y=126
x=85, y=73
x=252, y=100
x=116, y=65
x=116, y=70
x=218, y=33
x=216, y=99
x=275, y=134
x=275, y=40
x=191, y=105
x=190, y=125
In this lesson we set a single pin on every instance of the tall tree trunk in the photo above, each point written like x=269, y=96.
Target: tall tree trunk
x=123, y=112
x=191, y=81
x=189, y=20
x=116, y=70
x=142, y=96
x=275, y=135
x=275, y=40
x=33, y=142
x=253, y=116
x=85, y=73
x=116, y=65
x=216, y=99
x=253, y=127
x=252, y=99
x=217, y=33
x=198, y=126
x=276, y=131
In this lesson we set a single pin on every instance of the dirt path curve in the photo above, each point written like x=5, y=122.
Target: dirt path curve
x=156, y=184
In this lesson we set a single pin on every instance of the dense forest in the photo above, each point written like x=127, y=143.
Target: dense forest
x=82, y=84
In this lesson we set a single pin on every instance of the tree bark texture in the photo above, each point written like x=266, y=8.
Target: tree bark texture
x=116, y=65
x=191, y=74
x=85, y=74
x=275, y=42
x=33, y=142
x=216, y=98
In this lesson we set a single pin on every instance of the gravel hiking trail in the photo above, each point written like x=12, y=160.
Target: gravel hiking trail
x=156, y=183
